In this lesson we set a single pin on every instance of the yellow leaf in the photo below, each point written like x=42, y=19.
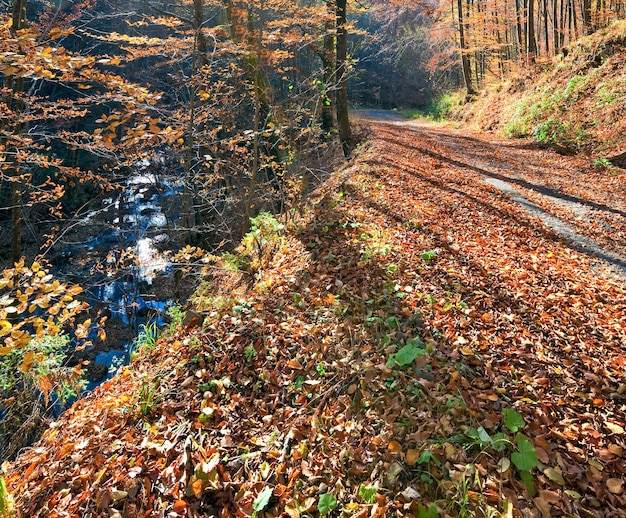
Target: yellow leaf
x=27, y=362
x=196, y=488
x=5, y=350
x=291, y=508
x=265, y=470
x=74, y=290
x=5, y=327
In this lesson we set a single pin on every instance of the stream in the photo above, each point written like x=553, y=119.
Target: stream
x=116, y=253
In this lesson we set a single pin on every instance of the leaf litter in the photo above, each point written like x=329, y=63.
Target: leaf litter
x=410, y=333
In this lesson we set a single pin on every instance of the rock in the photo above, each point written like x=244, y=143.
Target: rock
x=619, y=160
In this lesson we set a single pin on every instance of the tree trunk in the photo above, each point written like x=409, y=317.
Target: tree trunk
x=521, y=36
x=465, y=63
x=328, y=65
x=17, y=23
x=200, y=38
x=343, y=120
x=546, y=32
x=531, y=45
x=587, y=23
x=555, y=27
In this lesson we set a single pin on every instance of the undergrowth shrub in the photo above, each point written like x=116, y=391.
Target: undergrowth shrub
x=261, y=242
x=37, y=312
x=30, y=391
x=442, y=107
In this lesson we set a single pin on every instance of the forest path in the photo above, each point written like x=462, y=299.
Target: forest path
x=415, y=332
x=584, y=205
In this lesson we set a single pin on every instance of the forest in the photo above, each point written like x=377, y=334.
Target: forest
x=284, y=258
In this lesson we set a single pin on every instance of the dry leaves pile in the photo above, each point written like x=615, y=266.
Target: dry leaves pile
x=370, y=358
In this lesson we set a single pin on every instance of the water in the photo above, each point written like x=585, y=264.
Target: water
x=116, y=254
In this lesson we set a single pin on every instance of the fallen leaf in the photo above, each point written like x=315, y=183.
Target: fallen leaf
x=394, y=447
x=615, y=485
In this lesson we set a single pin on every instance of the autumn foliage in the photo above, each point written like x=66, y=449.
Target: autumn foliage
x=415, y=344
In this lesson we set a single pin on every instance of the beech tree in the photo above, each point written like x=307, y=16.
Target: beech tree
x=57, y=103
x=343, y=122
x=491, y=36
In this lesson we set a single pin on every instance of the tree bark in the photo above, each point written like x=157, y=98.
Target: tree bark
x=531, y=44
x=465, y=63
x=328, y=65
x=343, y=120
x=587, y=23
x=17, y=23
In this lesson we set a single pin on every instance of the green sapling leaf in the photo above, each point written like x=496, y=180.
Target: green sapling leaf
x=512, y=420
x=526, y=458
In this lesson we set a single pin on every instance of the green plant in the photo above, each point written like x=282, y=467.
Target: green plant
x=6, y=502
x=338, y=198
x=147, y=397
x=209, y=386
x=146, y=340
x=262, y=500
x=429, y=255
x=250, y=353
x=367, y=493
x=320, y=369
x=440, y=108
x=427, y=512
x=407, y=354
x=326, y=503
x=231, y=261
x=376, y=247
x=30, y=378
x=47, y=356
x=602, y=162
x=264, y=237
x=512, y=420
x=176, y=314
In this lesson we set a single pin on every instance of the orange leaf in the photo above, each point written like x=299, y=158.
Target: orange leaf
x=394, y=447
x=196, y=489
x=411, y=457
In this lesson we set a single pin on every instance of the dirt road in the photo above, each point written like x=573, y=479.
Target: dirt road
x=581, y=205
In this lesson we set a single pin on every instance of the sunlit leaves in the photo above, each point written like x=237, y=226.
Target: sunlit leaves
x=33, y=304
x=261, y=501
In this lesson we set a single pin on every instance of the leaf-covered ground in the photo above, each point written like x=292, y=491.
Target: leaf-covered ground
x=574, y=101
x=414, y=344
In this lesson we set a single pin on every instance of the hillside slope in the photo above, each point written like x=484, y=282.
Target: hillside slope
x=577, y=103
x=415, y=343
